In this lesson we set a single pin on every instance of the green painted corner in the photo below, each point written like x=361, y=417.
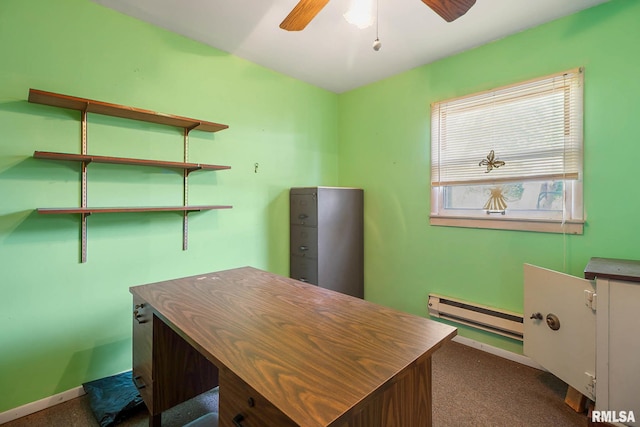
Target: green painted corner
x=384, y=147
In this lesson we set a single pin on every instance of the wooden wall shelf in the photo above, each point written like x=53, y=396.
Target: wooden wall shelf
x=89, y=211
x=122, y=111
x=85, y=106
x=126, y=161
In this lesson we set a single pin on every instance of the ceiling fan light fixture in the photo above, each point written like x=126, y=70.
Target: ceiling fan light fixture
x=360, y=13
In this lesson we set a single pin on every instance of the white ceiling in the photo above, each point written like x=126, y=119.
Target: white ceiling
x=333, y=54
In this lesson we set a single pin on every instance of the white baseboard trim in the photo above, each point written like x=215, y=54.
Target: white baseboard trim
x=39, y=405
x=505, y=354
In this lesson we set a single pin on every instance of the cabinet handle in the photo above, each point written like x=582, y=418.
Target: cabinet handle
x=303, y=216
x=136, y=312
x=237, y=420
x=137, y=316
x=138, y=383
x=304, y=248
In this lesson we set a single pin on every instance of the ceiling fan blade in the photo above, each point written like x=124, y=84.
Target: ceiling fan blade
x=302, y=14
x=450, y=10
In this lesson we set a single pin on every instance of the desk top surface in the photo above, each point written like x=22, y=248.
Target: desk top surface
x=312, y=352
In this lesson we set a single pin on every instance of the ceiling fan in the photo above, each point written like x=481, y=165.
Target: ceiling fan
x=306, y=10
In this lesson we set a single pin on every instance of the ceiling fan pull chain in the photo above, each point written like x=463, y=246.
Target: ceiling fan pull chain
x=376, y=43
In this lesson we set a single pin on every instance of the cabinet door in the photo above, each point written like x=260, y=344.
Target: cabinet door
x=570, y=351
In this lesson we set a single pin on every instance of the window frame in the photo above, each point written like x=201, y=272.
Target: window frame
x=573, y=217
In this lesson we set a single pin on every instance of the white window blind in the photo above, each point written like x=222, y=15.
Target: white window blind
x=535, y=128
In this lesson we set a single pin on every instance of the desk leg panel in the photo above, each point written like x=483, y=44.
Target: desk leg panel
x=166, y=369
x=155, y=420
x=407, y=402
x=179, y=371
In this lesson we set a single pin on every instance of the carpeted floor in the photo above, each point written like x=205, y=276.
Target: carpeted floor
x=474, y=388
x=470, y=388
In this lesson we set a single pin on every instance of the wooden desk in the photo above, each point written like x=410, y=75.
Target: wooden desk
x=284, y=353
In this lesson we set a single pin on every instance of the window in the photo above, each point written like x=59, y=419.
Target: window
x=510, y=158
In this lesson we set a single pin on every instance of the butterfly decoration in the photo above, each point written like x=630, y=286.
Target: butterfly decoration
x=490, y=162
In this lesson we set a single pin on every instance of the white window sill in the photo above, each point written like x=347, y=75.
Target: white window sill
x=543, y=226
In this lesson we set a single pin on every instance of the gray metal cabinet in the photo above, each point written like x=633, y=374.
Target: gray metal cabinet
x=327, y=238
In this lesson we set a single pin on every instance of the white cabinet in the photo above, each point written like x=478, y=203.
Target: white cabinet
x=587, y=331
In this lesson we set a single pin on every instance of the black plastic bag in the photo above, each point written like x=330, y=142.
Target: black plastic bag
x=113, y=399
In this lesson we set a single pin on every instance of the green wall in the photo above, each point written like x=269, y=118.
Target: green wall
x=385, y=148
x=62, y=322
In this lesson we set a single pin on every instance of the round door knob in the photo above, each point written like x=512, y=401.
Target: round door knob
x=553, y=321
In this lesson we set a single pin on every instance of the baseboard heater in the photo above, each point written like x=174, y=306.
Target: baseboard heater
x=490, y=319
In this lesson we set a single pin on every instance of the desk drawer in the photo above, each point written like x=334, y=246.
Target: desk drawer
x=240, y=402
x=143, y=350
